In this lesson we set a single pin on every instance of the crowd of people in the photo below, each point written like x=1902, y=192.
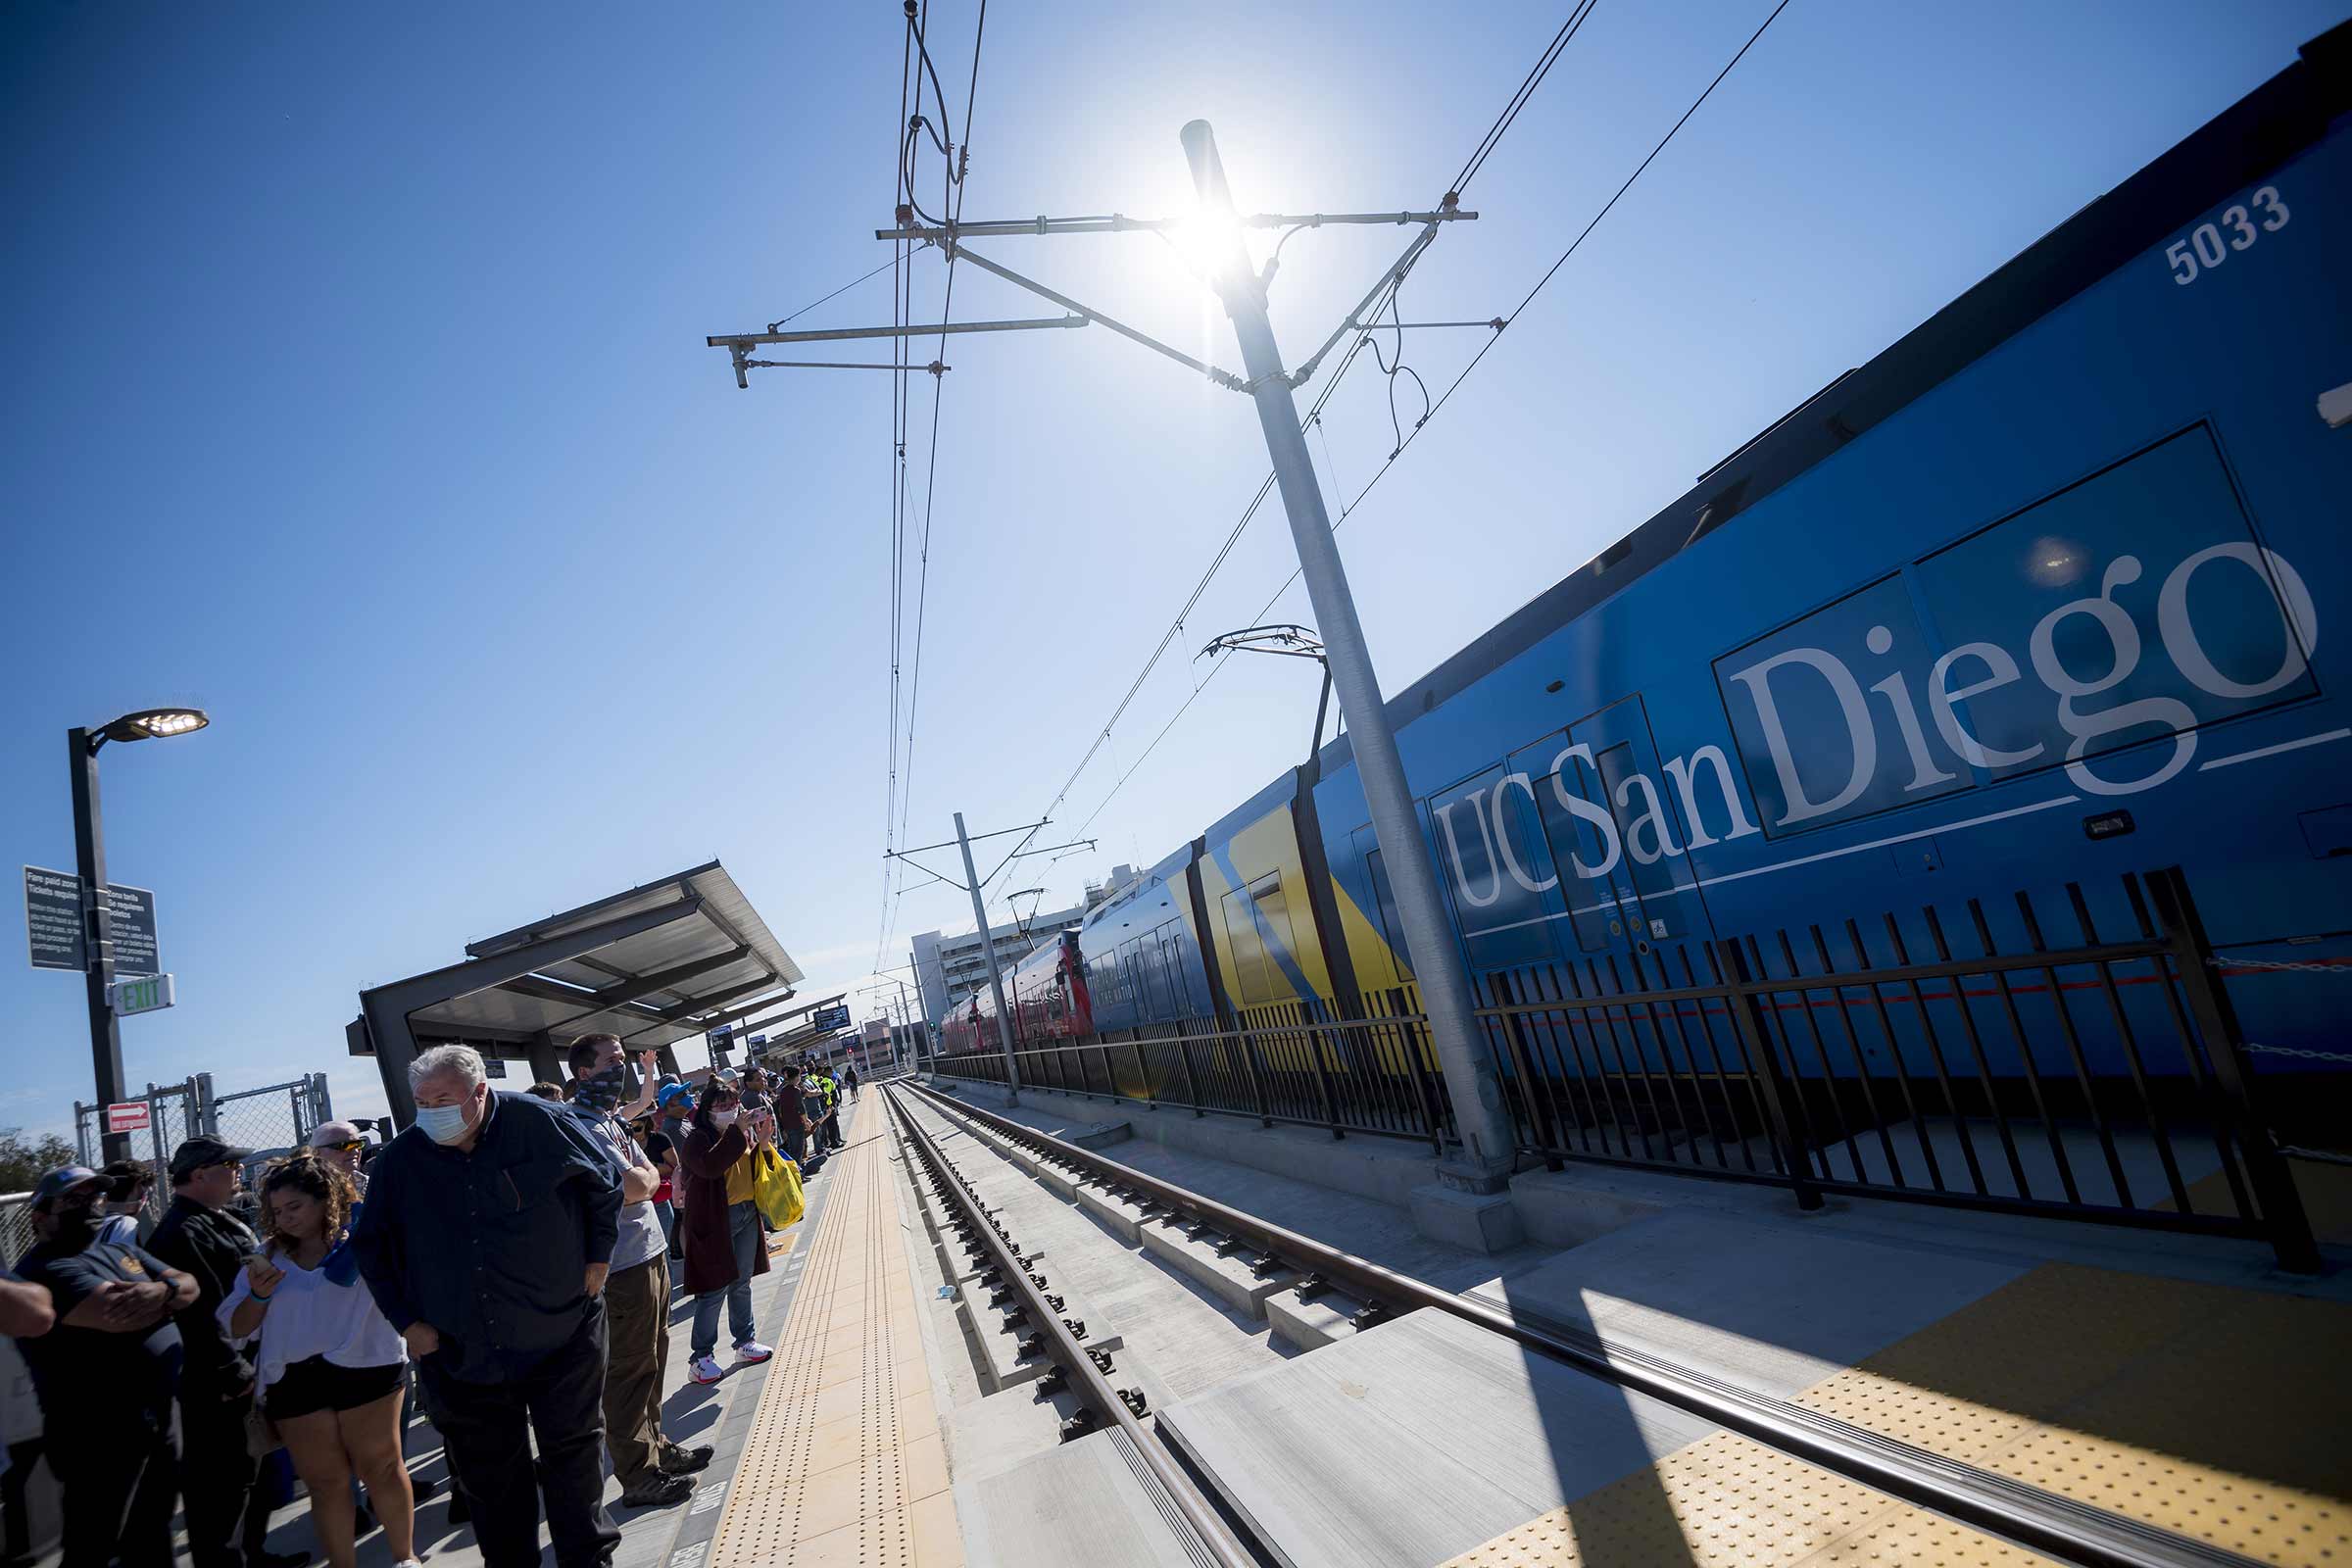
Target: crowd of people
x=512, y=1259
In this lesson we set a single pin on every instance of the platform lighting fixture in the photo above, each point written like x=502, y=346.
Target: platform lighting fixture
x=151, y=724
x=97, y=917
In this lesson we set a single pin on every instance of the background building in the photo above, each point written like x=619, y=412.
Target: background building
x=950, y=968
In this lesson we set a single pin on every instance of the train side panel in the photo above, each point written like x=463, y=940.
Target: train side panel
x=2075, y=611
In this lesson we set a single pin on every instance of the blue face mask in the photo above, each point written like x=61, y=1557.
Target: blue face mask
x=443, y=1124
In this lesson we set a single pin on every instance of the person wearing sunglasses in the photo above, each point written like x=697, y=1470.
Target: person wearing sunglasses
x=340, y=1143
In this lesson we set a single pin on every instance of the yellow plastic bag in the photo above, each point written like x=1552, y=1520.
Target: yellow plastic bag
x=776, y=1189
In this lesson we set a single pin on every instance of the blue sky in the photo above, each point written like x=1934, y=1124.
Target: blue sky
x=357, y=393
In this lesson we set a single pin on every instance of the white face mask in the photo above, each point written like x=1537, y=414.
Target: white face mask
x=443, y=1124
x=725, y=1118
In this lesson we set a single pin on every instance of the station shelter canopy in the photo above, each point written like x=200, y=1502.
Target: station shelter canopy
x=657, y=964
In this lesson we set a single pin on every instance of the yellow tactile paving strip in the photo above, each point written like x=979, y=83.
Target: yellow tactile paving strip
x=2217, y=1413
x=1725, y=1499
x=845, y=1463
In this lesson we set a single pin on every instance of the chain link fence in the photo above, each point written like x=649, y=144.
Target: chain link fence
x=269, y=1120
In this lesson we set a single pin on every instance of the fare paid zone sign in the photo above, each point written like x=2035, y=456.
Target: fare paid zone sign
x=53, y=924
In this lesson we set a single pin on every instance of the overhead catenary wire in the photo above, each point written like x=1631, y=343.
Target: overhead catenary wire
x=1519, y=100
x=1484, y=348
x=931, y=464
x=900, y=796
x=901, y=285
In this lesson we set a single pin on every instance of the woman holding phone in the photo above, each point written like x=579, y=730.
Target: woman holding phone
x=332, y=1366
x=722, y=1227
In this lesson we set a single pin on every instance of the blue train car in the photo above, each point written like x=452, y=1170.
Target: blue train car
x=2043, y=593
x=2051, y=593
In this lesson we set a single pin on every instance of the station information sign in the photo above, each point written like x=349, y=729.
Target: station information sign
x=53, y=924
x=836, y=1017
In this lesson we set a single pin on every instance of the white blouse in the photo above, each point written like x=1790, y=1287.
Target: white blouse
x=310, y=1315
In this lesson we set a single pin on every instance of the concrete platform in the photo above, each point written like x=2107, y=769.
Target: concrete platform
x=1082, y=1504
x=846, y=1461
x=1429, y=1441
x=1772, y=1309
x=1414, y=1442
x=2210, y=1411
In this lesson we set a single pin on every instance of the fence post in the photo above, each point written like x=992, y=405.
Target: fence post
x=1142, y=1074
x=154, y=1136
x=1540, y=1119
x=1307, y=1009
x=210, y=1112
x=1257, y=1085
x=1755, y=1035
x=1184, y=1053
x=2282, y=1212
x=1414, y=1041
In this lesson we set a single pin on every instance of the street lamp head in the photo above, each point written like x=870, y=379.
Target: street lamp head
x=156, y=723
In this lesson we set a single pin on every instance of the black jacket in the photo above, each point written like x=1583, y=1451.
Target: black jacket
x=211, y=1244
x=490, y=1246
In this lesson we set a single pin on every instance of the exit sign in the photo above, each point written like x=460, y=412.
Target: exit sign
x=146, y=994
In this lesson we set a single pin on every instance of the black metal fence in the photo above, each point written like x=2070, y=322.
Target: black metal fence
x=1952, y=1057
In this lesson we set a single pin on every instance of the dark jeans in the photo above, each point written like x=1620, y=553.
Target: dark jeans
x=486, y=1430
x=216, y=1477
x=121, y=1473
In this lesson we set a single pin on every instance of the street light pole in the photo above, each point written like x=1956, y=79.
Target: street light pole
x=97, y=934
x=988, y=954
x=1477, y=1094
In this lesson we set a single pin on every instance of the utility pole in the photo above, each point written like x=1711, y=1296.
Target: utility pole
x=906, y=1021
x=1470, y=1079
x=98, y=938
x=988, y=951
x=972, y=883
x=1477, y=1095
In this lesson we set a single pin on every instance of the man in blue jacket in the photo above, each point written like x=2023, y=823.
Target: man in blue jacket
x=488, y=1230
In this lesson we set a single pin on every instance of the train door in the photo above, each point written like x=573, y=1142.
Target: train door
x=1616, y=835
x=1257, y=926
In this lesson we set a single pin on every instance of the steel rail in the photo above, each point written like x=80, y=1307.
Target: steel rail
x=2042, y=1520
x=1085, y=1378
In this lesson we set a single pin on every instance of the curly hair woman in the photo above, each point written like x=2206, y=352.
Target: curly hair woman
x=332, y=1366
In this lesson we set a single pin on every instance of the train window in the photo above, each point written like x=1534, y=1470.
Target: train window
x=2127, y=609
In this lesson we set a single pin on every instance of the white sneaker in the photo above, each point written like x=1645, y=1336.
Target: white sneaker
x=705, y=1369
x=750, y=1352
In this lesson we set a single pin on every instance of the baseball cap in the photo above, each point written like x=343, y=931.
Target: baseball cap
x=61, y=1180
x=198, y=1153
x=674, y=1095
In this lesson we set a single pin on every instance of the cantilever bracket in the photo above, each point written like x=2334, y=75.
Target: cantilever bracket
x=952, y=248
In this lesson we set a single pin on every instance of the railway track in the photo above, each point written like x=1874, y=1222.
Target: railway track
x=1212, y=1531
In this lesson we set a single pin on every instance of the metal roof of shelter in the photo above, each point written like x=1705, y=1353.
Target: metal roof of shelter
x=657, y=964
